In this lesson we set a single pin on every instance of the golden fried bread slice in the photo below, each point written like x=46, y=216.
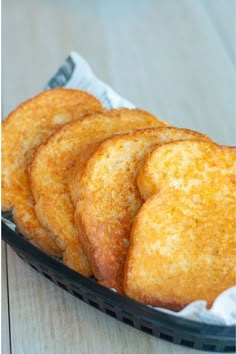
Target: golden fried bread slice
x=129, y=114
x=108, y=198
x=22, y=132
x=183, y=240
x=182, y=251
x=50, y=171
x=208, y=161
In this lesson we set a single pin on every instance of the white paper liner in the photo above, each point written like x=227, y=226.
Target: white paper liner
x=76, y=73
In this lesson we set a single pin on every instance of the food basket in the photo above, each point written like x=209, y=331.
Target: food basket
x=76, y=73
x=165, y=326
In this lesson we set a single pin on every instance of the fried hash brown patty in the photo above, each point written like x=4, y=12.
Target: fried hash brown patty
x=108, y=198
x=50, y=173
x=29, y=125
x=183, y=239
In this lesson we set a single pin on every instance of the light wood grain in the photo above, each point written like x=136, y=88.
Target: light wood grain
x=173, y=58
x=5, y=334
x=165, y=56
x=176, y=66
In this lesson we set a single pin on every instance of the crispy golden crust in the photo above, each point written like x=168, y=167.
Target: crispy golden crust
x=158, y=172
x=168, y=134
x=183, y=240
x=52, y=163
x=73, y=178
x=109, y=199
x=129, y=114
x=22, y=132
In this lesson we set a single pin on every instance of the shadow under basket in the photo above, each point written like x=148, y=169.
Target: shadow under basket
x=168, y=327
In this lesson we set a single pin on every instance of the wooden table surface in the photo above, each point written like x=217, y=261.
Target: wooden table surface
x=175, y=58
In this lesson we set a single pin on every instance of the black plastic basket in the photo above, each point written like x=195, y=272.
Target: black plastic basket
x=168, y=327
